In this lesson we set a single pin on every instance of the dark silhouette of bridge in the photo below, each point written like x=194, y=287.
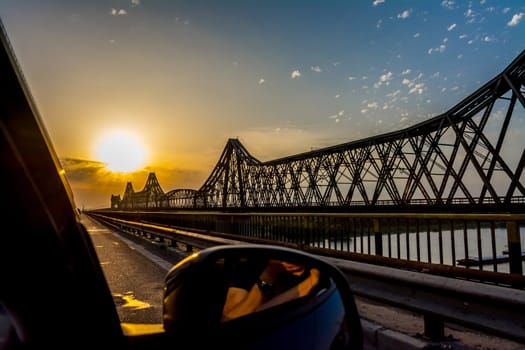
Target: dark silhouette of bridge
x=470, y=158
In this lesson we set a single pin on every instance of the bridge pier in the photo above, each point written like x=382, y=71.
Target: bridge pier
x=514, y=245
x=378, y=237
x=434, y=327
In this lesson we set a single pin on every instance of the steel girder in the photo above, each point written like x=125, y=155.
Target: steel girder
x=151, y=196
x=467, y=156
x=181, y=198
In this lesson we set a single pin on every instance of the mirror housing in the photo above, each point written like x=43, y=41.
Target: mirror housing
x=289, y=299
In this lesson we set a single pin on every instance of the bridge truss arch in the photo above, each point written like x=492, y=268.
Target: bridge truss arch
x=181, y=198
x=470, y=158
x=467, y=156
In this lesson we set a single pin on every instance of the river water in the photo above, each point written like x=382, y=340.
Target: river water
x=451, y=245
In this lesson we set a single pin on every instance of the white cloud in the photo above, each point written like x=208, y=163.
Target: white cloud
x=463, y=36
x=405, y=81
x=488, y=39
x=506, y=9
x=116, y=12
x=296, y=74
x=316, y=69
x=377, y=2
x=337, y=96
x=406, y=71
x=418, y=88
x=416, y=35
x=439, y=49
x=261, y=81
x=449, y=4
x=516, y=19
x=451, y=27
x=135, y=2
x=335, y=117
x=385, y=77
x=404, y=15
x=394, y=95
x=351, y=78
x=182, y=20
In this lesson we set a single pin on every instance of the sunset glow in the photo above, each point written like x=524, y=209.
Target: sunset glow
x=121, y=151
x=284, y=78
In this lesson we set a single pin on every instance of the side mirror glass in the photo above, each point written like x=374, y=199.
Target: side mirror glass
x=257, y=296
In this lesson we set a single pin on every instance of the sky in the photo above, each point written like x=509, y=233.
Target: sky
x=181, y=77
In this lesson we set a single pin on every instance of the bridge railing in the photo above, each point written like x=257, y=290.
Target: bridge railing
x=188, y=200
x=487, y=247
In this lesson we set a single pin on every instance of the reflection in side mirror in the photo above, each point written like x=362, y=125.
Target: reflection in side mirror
x=254, y=286
x=258, y=296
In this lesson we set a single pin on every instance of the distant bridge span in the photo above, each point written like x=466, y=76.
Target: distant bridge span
x=468, y=158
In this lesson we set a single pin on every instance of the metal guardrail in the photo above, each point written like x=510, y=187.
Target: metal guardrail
x=480, y=247
x=168, y=237
x=487, y=308
x=491, y=309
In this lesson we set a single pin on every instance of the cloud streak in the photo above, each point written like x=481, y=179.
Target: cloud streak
x=118, y=12
x=516, y=19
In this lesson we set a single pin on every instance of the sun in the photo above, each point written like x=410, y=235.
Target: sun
x=122, y=151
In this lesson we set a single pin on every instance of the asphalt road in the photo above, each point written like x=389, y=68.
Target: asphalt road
x=135, y=276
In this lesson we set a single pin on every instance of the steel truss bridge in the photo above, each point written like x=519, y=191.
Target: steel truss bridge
x=470, y=158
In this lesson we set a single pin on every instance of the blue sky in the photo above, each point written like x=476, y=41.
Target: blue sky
x=284, y=77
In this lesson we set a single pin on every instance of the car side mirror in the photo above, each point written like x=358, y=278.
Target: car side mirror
x=260, y=296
